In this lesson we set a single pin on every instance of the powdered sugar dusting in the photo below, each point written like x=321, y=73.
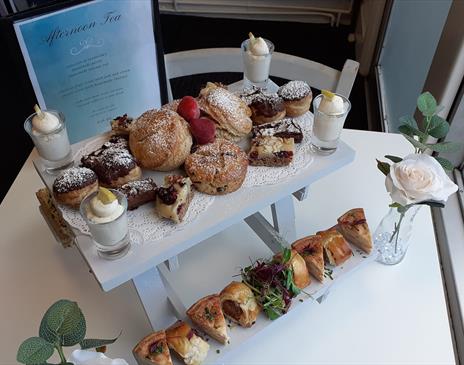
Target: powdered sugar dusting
x=294, y=90
x=74, y=178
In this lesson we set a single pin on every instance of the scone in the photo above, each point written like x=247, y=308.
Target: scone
x=73, y=185
x=285, y=128
x=336, y=249
x=173, y=200
x=297, y=97
x=138, y=192
x=172, y=105
x=310, y=248
x=239, y=304
x=207, y=314
x=271, y=151
x=301, y=276
x=353, y=226
x=122, y=124
x=217, y=168
x=183, y=340
x=113, y=163
x=227, y=110
x=153, y=349
x=160, y=140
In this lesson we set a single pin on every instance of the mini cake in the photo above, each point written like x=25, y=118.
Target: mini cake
x=286, y=128
x=138, y=192
x=113, y=163
x=297, y=97
x=160, y=140
x=173, y=200
x=122, y=124
x=73, y=185
x=217, y=168
x=271, y=151
x=227, y=110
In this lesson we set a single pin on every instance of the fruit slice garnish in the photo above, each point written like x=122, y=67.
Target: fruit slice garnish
x=328, y=94
x=105, y=196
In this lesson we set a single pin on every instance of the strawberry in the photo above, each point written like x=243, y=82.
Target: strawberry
x=188, y=108
x=203, y=130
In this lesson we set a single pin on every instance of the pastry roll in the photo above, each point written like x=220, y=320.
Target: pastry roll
x=301, y=276
x=182, y=339
x=353, y=226
x=336, y=249
x=207, y=314
x=239, y=304
x=153, y=349
x=310, y=248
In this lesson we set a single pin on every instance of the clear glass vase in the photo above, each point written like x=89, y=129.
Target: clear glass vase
x=391, y=238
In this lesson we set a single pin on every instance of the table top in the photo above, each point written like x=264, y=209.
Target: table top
x=377, y=315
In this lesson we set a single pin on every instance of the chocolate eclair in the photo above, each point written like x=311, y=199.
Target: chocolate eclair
x=139, y=192
x=73, y=185
x=265, y=107
x=286, y=128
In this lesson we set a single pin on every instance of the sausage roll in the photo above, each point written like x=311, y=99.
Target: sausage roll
x=301, y=276
x=239, y=304
x=336, y=249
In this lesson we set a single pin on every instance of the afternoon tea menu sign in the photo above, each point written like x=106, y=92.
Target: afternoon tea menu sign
x=93, y=62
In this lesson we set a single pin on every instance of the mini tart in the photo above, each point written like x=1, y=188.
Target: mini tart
x=297, y=97
x=153, y=349
x=239, y=304
x=286, y=128
x=353, y=226
x=301, y=276
x=217, y=168
x=73, y=185
x=190, y=347
x=173, y=200
x=122, y=124
x=113, y=163
x=138, y=192
x=207, y=314
x=271, y=151
x=336, y=249
x=310, y=248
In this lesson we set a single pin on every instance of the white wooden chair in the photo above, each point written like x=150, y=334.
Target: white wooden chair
x=283, y=65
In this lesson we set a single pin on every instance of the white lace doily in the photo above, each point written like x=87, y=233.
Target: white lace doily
x=263, y=175
x=143, y=219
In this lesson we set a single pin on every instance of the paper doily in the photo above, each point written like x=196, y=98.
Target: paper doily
x=263, y=175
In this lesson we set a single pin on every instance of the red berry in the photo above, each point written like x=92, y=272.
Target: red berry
x=188, y=108
x=203, y=130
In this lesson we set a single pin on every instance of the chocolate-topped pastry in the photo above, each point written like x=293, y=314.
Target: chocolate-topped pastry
x=265, y=107
x=122, y=124
x=286, y=128
x=139, y=192
x=297, y=97
x=73, y=185
x=113, y=163
x=173, y=200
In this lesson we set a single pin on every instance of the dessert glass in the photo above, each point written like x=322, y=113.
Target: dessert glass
x=112, y=239
x=327, y=127
x=53, y=148
x=256, y=68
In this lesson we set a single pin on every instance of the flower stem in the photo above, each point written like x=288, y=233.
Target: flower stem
x=396, y=232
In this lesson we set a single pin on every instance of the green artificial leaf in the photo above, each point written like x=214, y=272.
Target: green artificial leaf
x=432, y=203
x=34, y=350
x=64, y=319
x=439, y=127
x=287, y=255
x=91, y=343
x=444, y=147
x=394, y=159
x=446, y=164
x=427, y=104
x=415, y=143
x=408, y=120
x=384, y=167
x=411, y=131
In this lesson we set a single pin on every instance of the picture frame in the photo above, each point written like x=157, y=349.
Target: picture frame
x=124, y=36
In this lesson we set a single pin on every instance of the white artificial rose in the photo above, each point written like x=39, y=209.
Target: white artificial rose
x=419, y=177
x=84, y=357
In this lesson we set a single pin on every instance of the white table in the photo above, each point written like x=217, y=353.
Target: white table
x=379, y=314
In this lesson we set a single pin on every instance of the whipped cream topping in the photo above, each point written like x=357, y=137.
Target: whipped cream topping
x=46, y=124
x=258, y=47
x=99, y=212
x=332, y=106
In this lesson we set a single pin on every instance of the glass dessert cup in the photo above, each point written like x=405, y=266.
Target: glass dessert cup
x=327, y=127
x=256, y=68
x=53, y=148
x=112, y=239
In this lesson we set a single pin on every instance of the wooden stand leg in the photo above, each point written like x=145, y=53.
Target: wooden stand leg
x=283, y=215
x=154, y=298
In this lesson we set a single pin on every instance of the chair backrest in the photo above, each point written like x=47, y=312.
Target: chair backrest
x=283, y=65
